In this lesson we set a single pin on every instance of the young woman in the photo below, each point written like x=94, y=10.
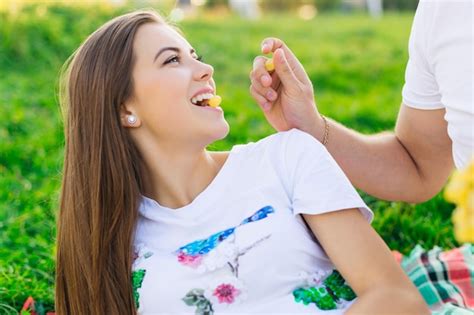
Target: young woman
x=152, y=222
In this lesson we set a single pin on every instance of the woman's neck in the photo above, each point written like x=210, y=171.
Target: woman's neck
x=175, y=179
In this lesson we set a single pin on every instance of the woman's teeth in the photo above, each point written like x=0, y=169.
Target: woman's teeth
x=198, y=100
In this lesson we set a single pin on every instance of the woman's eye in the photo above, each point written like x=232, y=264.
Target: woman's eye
x=200, y=58
x=172, y=59
x=176, y=58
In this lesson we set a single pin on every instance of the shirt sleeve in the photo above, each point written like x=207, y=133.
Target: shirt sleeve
x=421, y=89
x=318, y=185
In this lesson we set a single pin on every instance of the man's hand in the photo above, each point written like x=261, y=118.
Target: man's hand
x=286, y=95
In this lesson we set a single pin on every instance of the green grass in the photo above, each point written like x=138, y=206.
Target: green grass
x=356, y=65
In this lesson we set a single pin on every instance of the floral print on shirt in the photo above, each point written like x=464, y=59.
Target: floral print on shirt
x=327, y=289
x=215, y=252
x=140, y=253
x=220, y=293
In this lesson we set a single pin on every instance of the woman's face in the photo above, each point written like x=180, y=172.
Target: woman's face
x=167, y=75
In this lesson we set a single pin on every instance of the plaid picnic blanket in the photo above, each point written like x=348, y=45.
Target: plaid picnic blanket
x=444, y=278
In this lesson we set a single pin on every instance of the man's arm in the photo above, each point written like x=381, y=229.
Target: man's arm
x=411, y=164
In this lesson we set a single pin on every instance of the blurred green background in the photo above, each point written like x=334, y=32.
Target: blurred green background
x=356, y=63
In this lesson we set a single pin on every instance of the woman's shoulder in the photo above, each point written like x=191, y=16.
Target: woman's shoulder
x=277, y=147
x=294, y=143
x=294, y=137
x=279, y=140
x=281, y=147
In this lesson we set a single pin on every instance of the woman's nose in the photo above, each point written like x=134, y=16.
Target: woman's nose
x=205, y=71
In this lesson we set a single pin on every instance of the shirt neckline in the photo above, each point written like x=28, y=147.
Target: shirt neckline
x=152, y=209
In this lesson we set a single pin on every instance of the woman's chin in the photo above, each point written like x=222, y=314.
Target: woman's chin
x=221, y=131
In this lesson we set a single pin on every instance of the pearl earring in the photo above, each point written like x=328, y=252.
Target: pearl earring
x=131, y=119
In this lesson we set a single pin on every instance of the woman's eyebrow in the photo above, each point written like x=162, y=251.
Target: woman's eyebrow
x=175, y=49
x=162, y=50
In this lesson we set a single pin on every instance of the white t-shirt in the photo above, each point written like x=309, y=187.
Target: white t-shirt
x=440, y=72
x=240, y=245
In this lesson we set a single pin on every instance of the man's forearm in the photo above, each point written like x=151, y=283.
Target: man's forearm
x=377, y=164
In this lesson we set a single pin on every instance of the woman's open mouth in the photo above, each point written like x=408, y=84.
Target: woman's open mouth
x=202, y=99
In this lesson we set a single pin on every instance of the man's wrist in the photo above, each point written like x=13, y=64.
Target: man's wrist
x=320, y=129
x=326, y=131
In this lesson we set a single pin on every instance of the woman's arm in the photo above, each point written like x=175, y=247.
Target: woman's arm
x=365, y=261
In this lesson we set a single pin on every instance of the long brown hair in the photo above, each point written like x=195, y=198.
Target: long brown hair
x=101, y=183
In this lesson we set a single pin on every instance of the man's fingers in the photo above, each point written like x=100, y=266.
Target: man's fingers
x=275, y=81
x=285, y=72
x=271, y=44
x=262, y=101
x=266, y=92
x=259, y=73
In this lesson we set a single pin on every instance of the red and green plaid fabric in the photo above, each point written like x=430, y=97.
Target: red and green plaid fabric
x=444, y=278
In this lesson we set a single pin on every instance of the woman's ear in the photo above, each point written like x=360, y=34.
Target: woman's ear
x=128, y=118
